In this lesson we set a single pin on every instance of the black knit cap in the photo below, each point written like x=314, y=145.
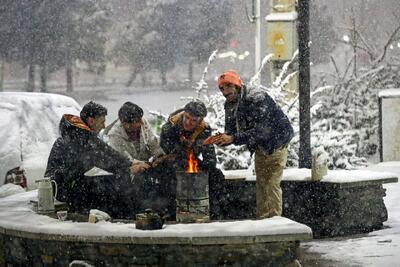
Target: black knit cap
x=196, y=109
x=129, y=112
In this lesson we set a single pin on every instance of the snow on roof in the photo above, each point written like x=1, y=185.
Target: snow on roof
x=15, y=214
x=282, y=16
x=333, y=176
x=389, y=93
x=29, y=126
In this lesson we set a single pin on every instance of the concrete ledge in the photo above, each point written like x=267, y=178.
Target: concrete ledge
x=343, y=202
x=27, y=252
x=341, y=177
x=149, y=237
x=27, y=238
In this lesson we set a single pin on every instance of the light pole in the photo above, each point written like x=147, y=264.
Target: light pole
x=255, y=18
x=304, y=84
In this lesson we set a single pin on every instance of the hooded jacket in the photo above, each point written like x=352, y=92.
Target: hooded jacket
x=77, y=151
x=171, y=142
x=256, y=120
x=147, y=147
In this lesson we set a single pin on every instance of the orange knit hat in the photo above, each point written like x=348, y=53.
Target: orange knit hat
x=229, y=76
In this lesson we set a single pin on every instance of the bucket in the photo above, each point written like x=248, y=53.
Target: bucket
x=192, y=199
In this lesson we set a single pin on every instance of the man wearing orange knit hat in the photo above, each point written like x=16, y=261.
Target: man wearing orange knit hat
x=254, y=119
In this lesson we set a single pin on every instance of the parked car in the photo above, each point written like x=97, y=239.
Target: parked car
x=28, y=128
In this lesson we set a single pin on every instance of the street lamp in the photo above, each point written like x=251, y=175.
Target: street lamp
x=304, y=84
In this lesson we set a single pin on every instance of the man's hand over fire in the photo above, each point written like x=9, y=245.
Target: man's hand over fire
x=164, y=158
x=138, y=167
x=220, y=139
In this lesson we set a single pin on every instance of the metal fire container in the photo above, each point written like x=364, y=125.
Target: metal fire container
x=192, y=200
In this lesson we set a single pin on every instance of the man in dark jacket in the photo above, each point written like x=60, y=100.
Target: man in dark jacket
x=256, y=120
x=78, y=150
x=186, y=130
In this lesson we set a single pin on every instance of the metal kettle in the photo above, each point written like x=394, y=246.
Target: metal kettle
x=45, y=195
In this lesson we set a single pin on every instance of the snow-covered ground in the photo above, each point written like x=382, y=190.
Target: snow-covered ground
x=378, y=248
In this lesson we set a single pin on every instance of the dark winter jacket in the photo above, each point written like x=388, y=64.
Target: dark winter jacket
x=172, y=143
x=77, y=151
x=256, y=120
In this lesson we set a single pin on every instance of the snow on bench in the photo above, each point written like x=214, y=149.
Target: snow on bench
x=32, y=238
x=343, y=202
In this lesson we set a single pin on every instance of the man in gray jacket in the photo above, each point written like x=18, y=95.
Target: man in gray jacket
x=133, y=137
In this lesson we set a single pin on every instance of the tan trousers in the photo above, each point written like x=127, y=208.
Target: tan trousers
x=269, y=170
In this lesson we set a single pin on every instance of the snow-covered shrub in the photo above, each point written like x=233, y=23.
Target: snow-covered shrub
x=344, y=118
x=344, y=115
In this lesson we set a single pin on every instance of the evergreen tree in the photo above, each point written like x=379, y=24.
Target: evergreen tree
x=139, y=40
x=159, y=34
x=203, y=27
x=86, y=26
x=43, y=33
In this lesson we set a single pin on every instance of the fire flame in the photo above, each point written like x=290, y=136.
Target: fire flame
x=191, y=163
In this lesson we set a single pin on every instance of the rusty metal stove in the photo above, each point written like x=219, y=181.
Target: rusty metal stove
x=192, y=199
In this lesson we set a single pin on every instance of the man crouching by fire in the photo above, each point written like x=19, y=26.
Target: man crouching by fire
x=183, y=135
